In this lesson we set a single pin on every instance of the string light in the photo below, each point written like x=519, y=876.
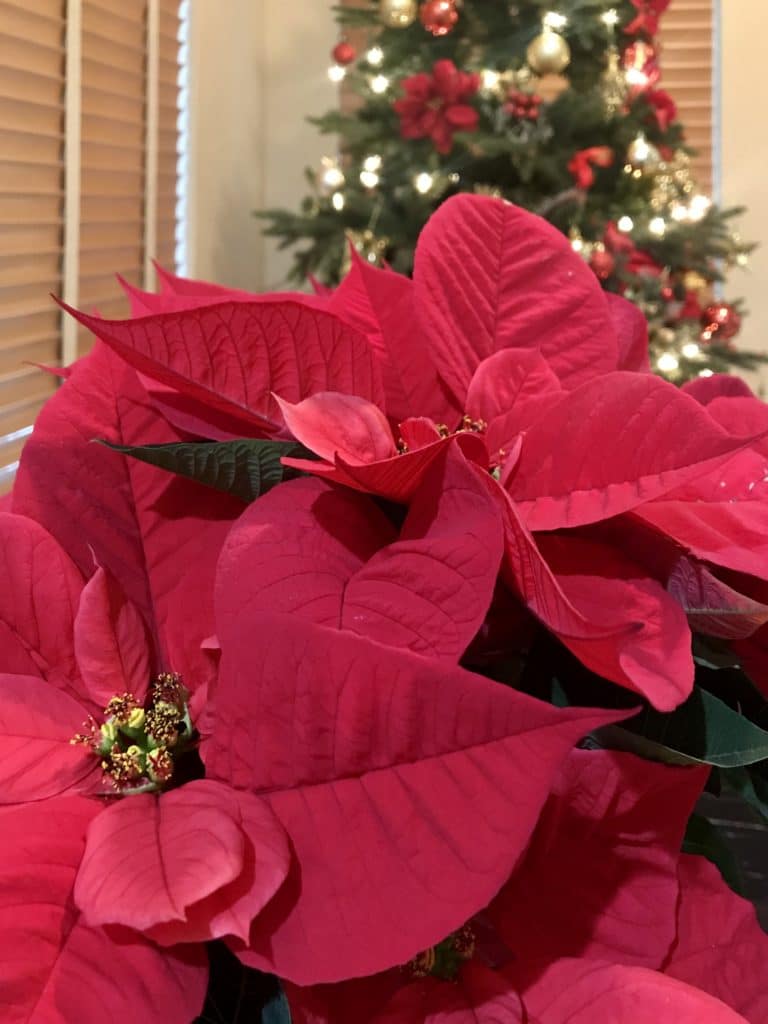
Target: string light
x=331, y=176
x=337, y=73
x=668, y=363
x=699, y=206
x=379, y=84
x=625, y=224
x=338, y=201
x=423, y=182
x=610, y=18
x=706, y=373
x=372, y=163
x=554, y=20
x=658, y=227
x=691, y=350
x=369, y=179
x=636, y=77
x=375, y=56
x=489, y=79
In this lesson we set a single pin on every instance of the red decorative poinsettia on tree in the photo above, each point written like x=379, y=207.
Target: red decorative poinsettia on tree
x=329, y=710
x=435, y=106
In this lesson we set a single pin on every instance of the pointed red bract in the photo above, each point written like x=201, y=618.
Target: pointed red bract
x=193, y=864
x=599, y=879
x=111, y=642
x=651, y=649
x=586, y=991
x=326, y=554
x=631, y=332
x=38, y=597
x=331, y=424
x=234, y=355
x=408, y=788
x=381, y=305
x=56, y=969
x=612, y=445
x=490, y=276
x=712, y=606
x=158, y=536
x=398, y=477
x=720, y=946
x=37, y=724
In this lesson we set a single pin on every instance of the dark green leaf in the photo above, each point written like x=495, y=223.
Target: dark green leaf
x=241, y=995
x=751, y=784
x=704, y=838
x=276, y=1011
x=702, y=730
x=244, y=468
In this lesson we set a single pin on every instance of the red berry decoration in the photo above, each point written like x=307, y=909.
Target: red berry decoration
x=438, y=16
x=602, y=263
x=720, y=322
x=343, y=53
x=523, y=105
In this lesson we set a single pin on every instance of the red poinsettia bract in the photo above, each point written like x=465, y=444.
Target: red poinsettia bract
x=603, y=921
x=505, y=345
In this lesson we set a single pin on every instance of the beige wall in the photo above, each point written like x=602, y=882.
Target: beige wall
x=258, y=68
x=745, y=152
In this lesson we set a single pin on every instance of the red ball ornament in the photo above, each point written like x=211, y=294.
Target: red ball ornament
x=438, y=16
x=343, y=53
x=720, y=322
x=668, y=293
x=602, y=263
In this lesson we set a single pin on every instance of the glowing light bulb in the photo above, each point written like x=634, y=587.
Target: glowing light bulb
x=577, y=244
x=375, y=56
x=423, y=182
x=372, y=163
x=668, y=363
x=337, y=73
x=658, y=227
x=706, y=373
x=379, y=84
x=489, y=79
x=369, y=179
x=554, y=20
x=625, y=224
x=636, y=77
x=691, y=350
x=679, y=212
x=332, y=175
x=610, y=17
x=699, y=206
x=337, y=201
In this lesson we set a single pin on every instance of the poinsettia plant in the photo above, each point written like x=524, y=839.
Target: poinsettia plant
x=371, y=667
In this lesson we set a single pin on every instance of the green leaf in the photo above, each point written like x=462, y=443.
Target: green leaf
x=704, y=839
x=703, y=730
x=751, y=784
x=243, y=468
x=276, y=1011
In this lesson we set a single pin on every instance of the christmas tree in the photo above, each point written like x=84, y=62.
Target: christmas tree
x=557, y=110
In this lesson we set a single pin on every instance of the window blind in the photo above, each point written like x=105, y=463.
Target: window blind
x=31, y=204
x=168, y=154
x=113, y=137
x=126, y=65
x=687, y=62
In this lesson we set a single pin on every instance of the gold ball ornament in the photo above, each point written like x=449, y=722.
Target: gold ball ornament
x=398, y=13
x=643, y=156
x=548, y=53
x=694, y=282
